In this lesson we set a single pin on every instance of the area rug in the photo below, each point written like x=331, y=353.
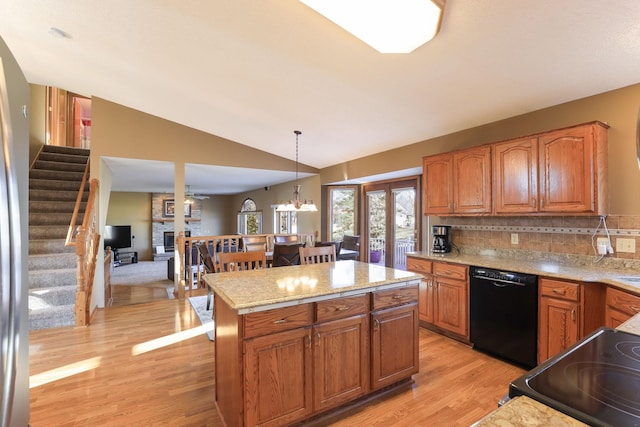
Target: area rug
x=199, y=305
x=143, y=273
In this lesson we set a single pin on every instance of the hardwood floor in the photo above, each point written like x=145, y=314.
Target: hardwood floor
x=120, y=372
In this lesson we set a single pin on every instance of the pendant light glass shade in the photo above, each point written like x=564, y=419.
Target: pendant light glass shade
x=297, y=205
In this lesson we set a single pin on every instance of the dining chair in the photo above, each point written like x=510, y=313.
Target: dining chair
x=240, y=261
x=317, y=254
x=286, y=254
x=254, y=243
x=208, y=267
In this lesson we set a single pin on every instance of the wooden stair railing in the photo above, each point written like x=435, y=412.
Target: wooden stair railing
x=87, y=242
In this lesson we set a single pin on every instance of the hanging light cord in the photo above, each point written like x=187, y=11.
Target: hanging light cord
x=297, y=132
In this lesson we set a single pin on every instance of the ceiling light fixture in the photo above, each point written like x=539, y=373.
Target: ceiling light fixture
x=296, y=205
x=389, y=26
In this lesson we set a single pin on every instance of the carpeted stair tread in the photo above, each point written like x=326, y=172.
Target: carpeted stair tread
x=53, y=218
x=50, y=261
x=39, y=206
x=47, y=149
x=54, y=184
x=63, y=158
x=47, y=297
x=59, y=166
x=49, y=246
x=56, y=175
x=47, y=278
x=52, y=317
x=39, y=232
x=53, y=195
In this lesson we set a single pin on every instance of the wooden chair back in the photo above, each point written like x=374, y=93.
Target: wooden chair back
x=240, y=261
x=205, y=258
x=285, y=255
x=254, y=243
x=317, y=254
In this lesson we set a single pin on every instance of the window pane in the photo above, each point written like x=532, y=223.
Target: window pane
x=342, y=212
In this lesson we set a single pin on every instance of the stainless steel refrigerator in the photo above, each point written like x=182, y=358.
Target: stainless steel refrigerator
x=14, y=326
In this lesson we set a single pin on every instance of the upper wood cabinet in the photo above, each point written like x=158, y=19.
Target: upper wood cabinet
x=458, y=183
x=515, y=176
x=437, y=184
x=472, y=181
x=573, y=166
x=558, y=172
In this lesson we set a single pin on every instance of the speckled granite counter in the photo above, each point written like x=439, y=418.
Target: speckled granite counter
x=581, y=270
x=522, y=411
x=257, y=290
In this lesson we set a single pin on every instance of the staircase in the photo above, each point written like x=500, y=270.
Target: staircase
x=54, y=182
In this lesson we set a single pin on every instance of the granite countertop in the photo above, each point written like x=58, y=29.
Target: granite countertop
x=522, y=411
x=276, y=287
x=623, y=277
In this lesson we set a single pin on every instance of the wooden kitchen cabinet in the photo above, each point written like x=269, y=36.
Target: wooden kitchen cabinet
x=620, y=307
x=472, y=181
x=425, y=293
x=292, y=374
x=340, y=361
x=567, y=312
x=458, y=182
x=437, y=184
x=515, y=176
x=394, y=336
x=451, y=300
x=443, y=299
x=278, y=377
x=573, y=170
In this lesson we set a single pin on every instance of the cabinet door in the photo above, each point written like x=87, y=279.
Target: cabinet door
x=394, y=345
x=278, y=375
x=451, y=304
x=437, y=184
x=472, y=181
x=340, y=361
x=558, y=328
x=515, y=178
x=567, y=171
x=425, y=299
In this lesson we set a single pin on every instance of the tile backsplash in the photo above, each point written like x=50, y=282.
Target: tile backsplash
x=554, y=235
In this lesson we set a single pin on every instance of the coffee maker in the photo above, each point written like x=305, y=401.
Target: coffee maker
x=441, y=239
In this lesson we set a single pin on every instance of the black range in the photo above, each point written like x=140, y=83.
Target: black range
x=596, y=381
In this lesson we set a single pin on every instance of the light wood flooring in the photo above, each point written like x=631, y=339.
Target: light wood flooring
x=106, y=381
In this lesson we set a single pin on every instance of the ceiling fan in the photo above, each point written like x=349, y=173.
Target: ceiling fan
x=189, y=195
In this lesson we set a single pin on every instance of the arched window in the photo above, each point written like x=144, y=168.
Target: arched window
x=249, y=218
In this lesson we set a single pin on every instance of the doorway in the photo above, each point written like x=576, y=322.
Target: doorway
x=391, y=225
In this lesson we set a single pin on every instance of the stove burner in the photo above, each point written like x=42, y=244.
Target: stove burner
x=596, y=381
x=630, y=349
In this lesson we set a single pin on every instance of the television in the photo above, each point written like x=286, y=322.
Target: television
x=117, y=236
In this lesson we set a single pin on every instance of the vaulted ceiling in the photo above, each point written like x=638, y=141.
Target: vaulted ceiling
x=253, y=71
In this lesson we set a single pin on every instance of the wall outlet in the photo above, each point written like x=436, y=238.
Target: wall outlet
x=626, y=245
x=514, y=239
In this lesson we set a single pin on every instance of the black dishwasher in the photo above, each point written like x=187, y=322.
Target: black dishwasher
x=503, y=314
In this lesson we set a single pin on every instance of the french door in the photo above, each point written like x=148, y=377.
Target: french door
x=391, y=221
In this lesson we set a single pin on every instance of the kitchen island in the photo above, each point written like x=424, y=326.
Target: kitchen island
x=295, y=342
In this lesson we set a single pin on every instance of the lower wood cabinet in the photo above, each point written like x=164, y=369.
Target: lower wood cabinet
x=299, y=361
x=567, y=312
x=620, y=307
x=278, y=375
x=443, y=300
x=394, y=348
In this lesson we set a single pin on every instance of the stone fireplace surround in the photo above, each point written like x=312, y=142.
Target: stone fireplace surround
x=161, y=224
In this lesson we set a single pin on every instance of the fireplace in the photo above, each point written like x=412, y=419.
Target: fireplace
x=169, y=240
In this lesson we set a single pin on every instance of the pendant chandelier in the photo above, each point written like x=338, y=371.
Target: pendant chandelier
x=296, y=205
